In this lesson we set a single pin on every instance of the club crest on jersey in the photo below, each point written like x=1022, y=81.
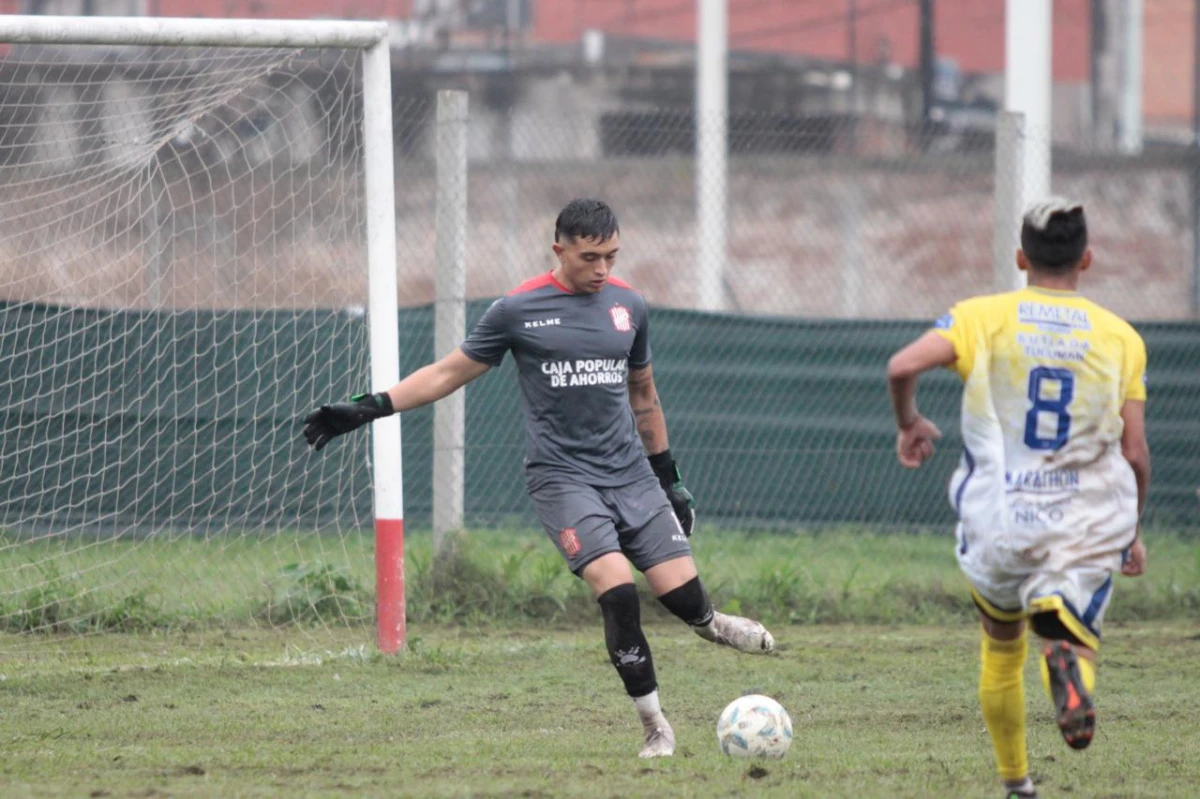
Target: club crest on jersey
x=621, y=318
x=570, y=542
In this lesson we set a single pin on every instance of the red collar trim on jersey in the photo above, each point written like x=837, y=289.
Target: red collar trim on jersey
x=553, y=281
x=545, y=279
x=548, y=279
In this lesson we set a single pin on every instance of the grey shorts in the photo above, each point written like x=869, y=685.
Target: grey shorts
x=586, y=522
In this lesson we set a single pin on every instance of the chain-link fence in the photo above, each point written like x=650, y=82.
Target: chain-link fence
x=844, y=237
x=816, y=233
x=843, y=241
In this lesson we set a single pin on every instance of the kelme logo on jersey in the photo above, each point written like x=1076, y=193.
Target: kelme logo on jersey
x=570, y=542
x=1053, y=317
x=944, y=322
x=621, y=318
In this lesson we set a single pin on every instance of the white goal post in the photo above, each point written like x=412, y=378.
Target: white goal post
x=372, y=173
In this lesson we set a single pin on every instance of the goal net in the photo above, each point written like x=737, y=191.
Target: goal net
x=183, y=271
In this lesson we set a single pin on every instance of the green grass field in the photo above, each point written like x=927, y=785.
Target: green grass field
x=506, y=577
x=878, y=711
x=208, y=668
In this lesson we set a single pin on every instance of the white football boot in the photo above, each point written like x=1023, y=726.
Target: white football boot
x=660, y=738
x=744, y=635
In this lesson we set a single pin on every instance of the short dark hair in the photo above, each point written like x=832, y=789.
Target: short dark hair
x=586, y=218
x=1054, y=234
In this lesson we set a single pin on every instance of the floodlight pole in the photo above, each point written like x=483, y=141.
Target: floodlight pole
x=1027, y=86
x=1129, y=139
x=1028, y=80
x=712, y=113
x=1195, y=164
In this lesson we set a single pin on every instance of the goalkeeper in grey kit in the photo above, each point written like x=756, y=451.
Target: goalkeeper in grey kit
x=597, y=463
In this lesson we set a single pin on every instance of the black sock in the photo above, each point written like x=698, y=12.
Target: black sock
x=627, y=646
x=689, y=602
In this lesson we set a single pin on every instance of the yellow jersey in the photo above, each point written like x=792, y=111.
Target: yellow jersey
x=1046, y=374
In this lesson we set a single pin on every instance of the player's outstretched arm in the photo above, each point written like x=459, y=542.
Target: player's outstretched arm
x=914, y=433
x=1137, y=451
x=427, y=384
x=439, y=379
x=652, y=427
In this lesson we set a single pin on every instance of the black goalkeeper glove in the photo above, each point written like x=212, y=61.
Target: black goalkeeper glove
x=683, y=504
x=328, y=421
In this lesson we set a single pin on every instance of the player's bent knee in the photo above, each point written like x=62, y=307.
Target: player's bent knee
x=670, y=574
x=1001, y=630
x=690, y=603
x=620, y=604
x=606, y=572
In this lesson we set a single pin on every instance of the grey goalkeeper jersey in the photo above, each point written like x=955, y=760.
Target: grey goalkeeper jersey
x=573, y=354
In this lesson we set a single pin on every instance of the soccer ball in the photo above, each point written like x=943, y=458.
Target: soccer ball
x=754, y=726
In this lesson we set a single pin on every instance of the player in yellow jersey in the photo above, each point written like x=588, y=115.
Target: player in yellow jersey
x=1053, y=475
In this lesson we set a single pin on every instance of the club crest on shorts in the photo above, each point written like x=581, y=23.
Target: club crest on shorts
x=620, y=317
x=570, y=542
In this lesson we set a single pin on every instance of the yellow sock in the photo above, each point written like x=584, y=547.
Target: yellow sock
x=1087, y=670
x=1002, y=697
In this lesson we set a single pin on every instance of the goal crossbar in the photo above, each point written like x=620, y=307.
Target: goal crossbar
x=180, y=32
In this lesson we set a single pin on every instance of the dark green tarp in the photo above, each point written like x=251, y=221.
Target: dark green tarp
x=144, y=420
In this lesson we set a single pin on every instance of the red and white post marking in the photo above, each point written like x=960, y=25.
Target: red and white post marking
x=385, y=348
